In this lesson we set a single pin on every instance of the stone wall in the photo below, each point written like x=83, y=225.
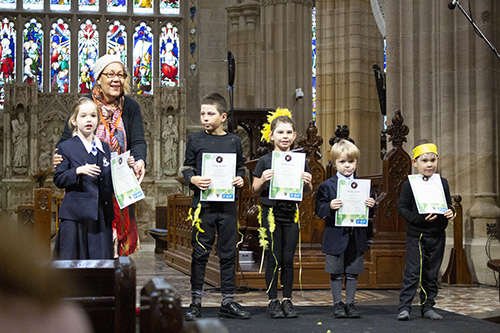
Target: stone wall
x=33, y=123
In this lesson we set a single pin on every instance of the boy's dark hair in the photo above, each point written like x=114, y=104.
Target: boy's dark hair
x=282, y=119
x=216, y=100
x=421, y=142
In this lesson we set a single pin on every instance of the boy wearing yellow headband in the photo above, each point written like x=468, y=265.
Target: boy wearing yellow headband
x=425, y=239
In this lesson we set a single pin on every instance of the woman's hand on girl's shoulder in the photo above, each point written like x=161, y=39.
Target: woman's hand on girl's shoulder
x=56, y=159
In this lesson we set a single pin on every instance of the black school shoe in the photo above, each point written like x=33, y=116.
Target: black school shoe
x=351, y=311
x=274, y=309
x=233, y=310
x=288, y=309
x=339, y=310
x=193, y=312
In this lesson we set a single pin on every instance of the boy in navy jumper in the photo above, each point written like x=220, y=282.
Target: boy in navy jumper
x=344, y=246
x=425, y=239
x=209, y=217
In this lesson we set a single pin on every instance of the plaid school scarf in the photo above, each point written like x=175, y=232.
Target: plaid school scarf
x=111, y=130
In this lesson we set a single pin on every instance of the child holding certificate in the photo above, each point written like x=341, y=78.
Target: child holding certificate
x=86, y=213
x=211, y=216
x=344, y=246
x=279, y=231
x=425, y=236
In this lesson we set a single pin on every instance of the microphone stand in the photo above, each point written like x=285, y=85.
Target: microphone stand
x=476, y=29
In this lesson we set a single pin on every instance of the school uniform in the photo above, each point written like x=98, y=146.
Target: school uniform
x=344, y=246
x=86, y=211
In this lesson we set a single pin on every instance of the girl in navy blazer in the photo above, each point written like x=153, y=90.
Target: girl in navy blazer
x=344, y=246
x=86, y=211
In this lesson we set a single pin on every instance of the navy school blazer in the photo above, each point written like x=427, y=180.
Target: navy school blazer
x=335, y=239
x=81, y=200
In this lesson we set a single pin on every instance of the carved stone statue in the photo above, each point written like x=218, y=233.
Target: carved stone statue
x=20, y=142
x=170, y=138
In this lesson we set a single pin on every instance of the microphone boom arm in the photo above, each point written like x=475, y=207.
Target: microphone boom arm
x=476, y=29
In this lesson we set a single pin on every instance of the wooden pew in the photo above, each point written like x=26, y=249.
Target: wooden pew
x=161, y=309
x=106, y=289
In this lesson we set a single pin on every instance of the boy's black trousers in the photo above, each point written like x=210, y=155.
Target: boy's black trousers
x=432, y=250
x=220, y=217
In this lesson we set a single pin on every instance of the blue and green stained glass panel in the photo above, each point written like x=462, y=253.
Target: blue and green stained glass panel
x=169, y=7
x=88, y=5
x=169, y=56
x=7, y=56
x=59, y=57
x=88, y=51
x=60, y=5
x=116, y=41
x=32, y=52
x=314, y=63
x=143, y=59
x=117, y=6
x=143, y=6
x=33, y=4
x=7, y=4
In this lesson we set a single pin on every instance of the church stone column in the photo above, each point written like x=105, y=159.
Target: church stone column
x=348, y=45
x=286, y=57
x=444, y=79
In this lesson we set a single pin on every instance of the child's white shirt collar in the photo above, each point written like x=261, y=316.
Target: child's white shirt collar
x=88, y=145
x=341, y=176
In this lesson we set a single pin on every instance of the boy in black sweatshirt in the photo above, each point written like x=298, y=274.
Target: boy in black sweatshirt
x=209, y=217
x=425, y=239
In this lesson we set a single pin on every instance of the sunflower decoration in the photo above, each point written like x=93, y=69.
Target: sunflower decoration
x=266, y=128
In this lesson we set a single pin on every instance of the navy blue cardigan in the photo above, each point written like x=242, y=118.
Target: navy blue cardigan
x=335, y=239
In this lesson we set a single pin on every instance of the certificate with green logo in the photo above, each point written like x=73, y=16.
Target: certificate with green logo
x=428, y=193
x=286, y=183
x=221, y=169
x=353, y=193
x=126, y=187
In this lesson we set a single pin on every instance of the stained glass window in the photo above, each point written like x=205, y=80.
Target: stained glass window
x=169, y=56
x=314, y=63
x=169, y=7
x=8, y=4
x=32, y=52
x=88, y=48
x=143, y=6
x=117, y=41
x=117, y=6
x=88, y=5
x=59, y=57
x=143, y=59
x=33, y=4
x=60, y=5
x=7, y=56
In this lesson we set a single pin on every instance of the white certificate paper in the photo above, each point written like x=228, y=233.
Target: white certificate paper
x=286, y=183
x=428, y=193
x=126, y=186
x=221, y=169
x=353, y=193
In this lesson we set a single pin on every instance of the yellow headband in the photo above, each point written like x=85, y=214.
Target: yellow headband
x=423, y=149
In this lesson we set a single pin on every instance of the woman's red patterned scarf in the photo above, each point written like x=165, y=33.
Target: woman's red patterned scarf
x=111, y=130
